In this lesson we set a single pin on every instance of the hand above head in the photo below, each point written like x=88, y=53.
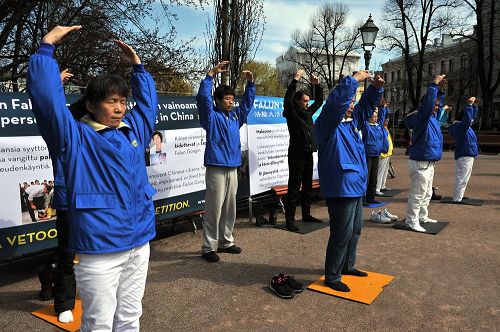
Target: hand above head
x=127, y=53
x=471, y=101
x=314, y=79
x=299, y=74
x=361, y=75
x=440, y=81
x=476, y=102
x=57, y=34
x=447, y=108
x=66, y=76
x=219, y=68
x=248, y=75
x=378, y=82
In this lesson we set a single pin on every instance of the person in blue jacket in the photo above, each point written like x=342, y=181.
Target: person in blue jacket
x=108, y=195
x=222, y=158
x=425, y=150
x=343, y=172
x=373, y=139
x=466, y=148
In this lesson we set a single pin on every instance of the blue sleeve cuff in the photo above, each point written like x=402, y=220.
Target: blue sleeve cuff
x=46, y=49
x=139, y=68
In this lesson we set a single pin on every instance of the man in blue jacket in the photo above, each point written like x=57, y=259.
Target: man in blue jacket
x=343, y=172
x=465, y=148
x=222, y=123
x=425, y=150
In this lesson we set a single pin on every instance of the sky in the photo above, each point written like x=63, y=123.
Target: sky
x=282, y=18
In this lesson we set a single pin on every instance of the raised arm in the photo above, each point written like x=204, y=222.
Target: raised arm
x=429, y=100
x=204, y=99
x=46, y=92
x=248, y=98
x=335, y=108
x=370, y=98
x=142, y=117
x=318, y=95
x=290, y=93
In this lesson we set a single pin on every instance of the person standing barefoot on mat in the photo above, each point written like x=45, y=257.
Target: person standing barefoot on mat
x=426, y=149
x=109, y=197
x=466, y=148
x=298, y=116
x=343, y=172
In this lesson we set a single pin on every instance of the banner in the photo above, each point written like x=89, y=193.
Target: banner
x=174, y=163
x=268, y=141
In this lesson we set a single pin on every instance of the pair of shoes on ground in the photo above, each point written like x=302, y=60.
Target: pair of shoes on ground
x=383, y=217
x=339, y=285
x=285, y=286
x=212, y=256
x=381, y=191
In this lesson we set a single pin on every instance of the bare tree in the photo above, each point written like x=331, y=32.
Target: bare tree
x=91, y=50
x=410, y=25
x=324, y=48
x=486, y=16
x=234, y=34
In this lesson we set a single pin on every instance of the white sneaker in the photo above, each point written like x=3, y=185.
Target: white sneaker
x=379, y=217
x=379, y=193
x=389, y=215
x=65, y=316
x=416, y=227
x=427, y=220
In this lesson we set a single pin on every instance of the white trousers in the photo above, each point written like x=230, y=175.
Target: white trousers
x=464, y=170
x=383, y=169
x=220, y=207
x=111, y=287
x=421, y=175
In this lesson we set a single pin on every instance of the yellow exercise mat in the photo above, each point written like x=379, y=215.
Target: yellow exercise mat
x=48, y=314
x=363, y=289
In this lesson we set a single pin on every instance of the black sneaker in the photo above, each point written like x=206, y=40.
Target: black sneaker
x=281, y=288
x=294, y=285
x=231, y=250
x=338, y=286
x=310, y=218
x=211, y=256
x=355, y=272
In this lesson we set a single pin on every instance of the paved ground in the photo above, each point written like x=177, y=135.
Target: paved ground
x=449, y=281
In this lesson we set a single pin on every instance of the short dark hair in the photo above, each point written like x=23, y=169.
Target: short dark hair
x=223, y=90
x=299, y=94
x=102, y=86
x=159, y=134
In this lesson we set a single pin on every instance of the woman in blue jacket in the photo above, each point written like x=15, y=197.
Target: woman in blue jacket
x=343, y=172
x=108, y=195
x=465, y=148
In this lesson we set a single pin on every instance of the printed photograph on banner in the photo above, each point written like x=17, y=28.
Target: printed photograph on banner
x=157, y=153
x=36, y=201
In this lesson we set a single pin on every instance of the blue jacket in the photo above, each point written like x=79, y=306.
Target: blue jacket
x=427, y=139
x=465, y=138
x=341, y=153
x=374, y=134
x=108, y=193
x=223, y=129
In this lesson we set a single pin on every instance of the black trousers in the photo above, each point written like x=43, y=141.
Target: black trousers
x=64, y=279
x=372, y=163
x=300, y=170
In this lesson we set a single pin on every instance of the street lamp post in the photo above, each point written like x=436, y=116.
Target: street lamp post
x=368, y=33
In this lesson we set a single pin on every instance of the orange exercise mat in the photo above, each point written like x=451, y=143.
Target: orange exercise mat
x=48, y=314
x=363, y=289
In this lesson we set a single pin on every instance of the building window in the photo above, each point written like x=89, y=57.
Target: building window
x=451, y=66
x=463, y=62
x=398, y=96
x=431, y=69
x=450, y=88
x=443, y=66
x=392, y=76
x=386, y=76
x=399, y=75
